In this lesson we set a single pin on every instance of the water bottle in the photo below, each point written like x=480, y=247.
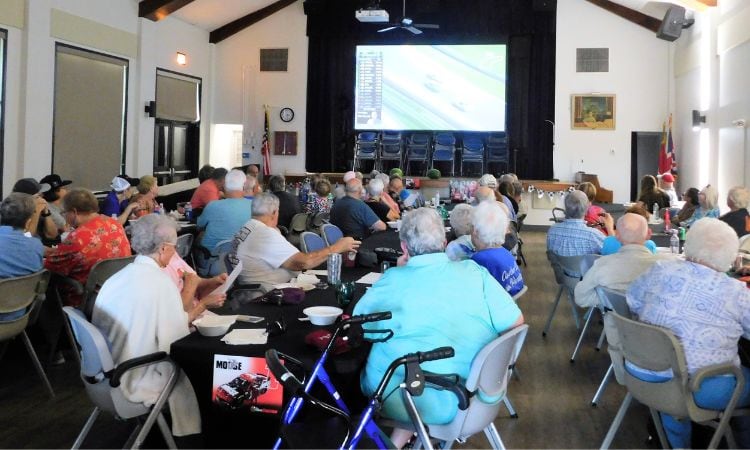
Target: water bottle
x=667, y=221
x=162, y=211
x=655, y=215
x=188, y=211
x=674, y=244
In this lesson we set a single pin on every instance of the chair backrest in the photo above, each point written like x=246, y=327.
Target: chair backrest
x=96, y=359
x=185, y=245
x=331, y=233
x=319, y=219
x=497, y=140
x=655, y=349
x=18, y=294
x=558, y=215
x=446, y=139
x=100, y=273
x=369, y=137
x=419, y=139
x=488, y=379
x=473, y=143
x=613, y=301
x=519, y=219
x=97, y=366
x=311, y=242
x=224, y=249
x=587, y=261
x=556, y=267
x=390, y=136
x=520, y=293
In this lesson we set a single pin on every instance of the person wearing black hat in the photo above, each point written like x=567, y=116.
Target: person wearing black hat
x=41, y=222
x=54, y=200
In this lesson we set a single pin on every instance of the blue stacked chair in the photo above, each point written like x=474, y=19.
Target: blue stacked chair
x=444, y=150
x=366, y=148
x=472, y=151
x=497, y=150
x=391, y=148
x=418, y=149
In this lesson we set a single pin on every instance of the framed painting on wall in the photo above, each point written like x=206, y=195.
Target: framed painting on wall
x=593, y=112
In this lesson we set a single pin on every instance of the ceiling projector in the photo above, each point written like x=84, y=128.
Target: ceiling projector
x=372, y=15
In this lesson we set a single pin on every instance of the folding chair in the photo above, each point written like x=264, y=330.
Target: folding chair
x=391, y=148
x=497, y=150
x=298, y=224
x=566, y=281
x=102, y=382
x=331, y=233
x=609, y=300
x=472, y=151
x=417, y=149
x=648, y=348
x=488, y=379
x=185, y=248
x=366, y=148
x=585, y=264
x=23, y=294
x=444, y=150
x=311, y=242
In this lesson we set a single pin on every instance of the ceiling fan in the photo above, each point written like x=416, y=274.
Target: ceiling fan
x=408, y=24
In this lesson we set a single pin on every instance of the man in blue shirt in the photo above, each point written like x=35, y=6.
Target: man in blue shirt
x=117, y=203
x=573, y=237
x=223, y=218
x=489, y=225
x=19, y=254
x=434, y=302
x=352, y=215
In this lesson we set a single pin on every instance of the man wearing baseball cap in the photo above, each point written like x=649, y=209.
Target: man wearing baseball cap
x=667, y=185
x=54, y=197
x=117, y=204
x=41, y=222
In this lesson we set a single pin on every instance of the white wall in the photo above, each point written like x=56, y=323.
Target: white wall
x=712, y=60
x=236, y=67
x=30, y=79
x=638, y=76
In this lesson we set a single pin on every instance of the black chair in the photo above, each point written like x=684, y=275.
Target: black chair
x=497, y=150
x=391, y=148
x=418, y=149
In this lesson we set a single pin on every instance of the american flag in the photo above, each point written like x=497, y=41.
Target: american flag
x=265, y=148
x=667, y=157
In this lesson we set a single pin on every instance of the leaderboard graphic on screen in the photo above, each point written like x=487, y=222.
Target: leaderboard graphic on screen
x=430, y=87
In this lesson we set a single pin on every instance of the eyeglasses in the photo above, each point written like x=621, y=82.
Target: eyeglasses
x=276, y=327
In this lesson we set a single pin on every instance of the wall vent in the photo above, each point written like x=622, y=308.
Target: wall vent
x=592, y=60
x=273, y=59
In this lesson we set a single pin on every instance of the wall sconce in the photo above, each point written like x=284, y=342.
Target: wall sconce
x=150, y=109
x=698, y=119
x=181, y=59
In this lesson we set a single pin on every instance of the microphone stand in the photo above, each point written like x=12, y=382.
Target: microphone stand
x=553, y=146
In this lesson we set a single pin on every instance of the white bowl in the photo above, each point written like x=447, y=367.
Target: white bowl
x=213, y=325
x=322, y=315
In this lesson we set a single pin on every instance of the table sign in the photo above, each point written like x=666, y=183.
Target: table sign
x=245, y=382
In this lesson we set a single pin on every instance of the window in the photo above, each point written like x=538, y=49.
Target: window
x=3, y=39
x=89, y=116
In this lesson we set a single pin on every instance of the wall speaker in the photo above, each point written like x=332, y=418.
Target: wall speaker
x=673, y=23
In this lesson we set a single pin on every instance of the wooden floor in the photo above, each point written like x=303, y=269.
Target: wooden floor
x=553, y=397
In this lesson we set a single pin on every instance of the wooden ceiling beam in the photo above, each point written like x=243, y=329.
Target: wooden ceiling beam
x=240, y=24
x=637, y=17
x=158, y=9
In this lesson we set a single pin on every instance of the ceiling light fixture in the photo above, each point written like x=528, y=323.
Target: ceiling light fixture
x=181, y=59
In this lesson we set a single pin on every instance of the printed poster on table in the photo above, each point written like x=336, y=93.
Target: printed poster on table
x=242, y=382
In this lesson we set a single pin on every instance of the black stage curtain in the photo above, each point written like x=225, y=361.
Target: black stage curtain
x=526, y=26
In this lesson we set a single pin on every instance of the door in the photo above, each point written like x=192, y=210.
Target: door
x=175, y=152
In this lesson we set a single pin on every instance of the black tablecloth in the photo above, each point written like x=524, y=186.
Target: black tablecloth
x=241, y=428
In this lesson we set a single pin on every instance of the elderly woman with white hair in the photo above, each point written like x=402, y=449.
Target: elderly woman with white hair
x=139, y=311
x=706, y=310
x=375, y=201
x=708, y=206
x=460, y=248
x=488, y=224
x=737, y=199
x=435, y=302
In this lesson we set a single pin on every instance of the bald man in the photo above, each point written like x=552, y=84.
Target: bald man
x=484, y=194
x=352, y=215
x=617, y=271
